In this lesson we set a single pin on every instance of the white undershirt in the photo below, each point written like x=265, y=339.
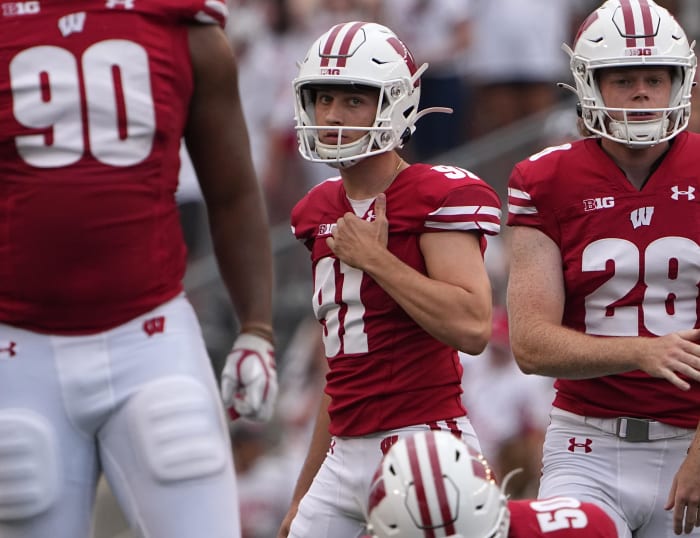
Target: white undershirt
x=360, y=207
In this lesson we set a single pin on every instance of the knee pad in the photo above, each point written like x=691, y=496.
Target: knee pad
x=29, y=480
x=179, y=428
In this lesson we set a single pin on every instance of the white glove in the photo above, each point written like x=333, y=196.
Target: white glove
x=249, y=378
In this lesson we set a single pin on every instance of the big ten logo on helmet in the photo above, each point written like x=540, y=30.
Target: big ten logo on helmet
x=640, y=52
x=13, y=9
x=329, y=71
x=591, y=204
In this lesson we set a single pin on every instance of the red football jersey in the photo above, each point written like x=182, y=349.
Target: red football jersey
x=631, y=262
x=558, y=517
x=385, y=371
x=92, y=110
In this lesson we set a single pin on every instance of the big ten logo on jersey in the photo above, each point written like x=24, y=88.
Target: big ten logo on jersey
x=591, y=204
x=15, y=9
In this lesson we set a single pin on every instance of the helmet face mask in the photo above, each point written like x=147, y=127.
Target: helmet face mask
x=350, y=55
x=432, y=481
x=632, y=34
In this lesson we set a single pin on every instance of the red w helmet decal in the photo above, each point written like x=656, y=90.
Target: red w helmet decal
x=341, y=55
x=403, y=51
x=589, y=20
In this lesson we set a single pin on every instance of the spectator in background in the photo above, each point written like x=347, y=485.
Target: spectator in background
x=264, y=476
x=440, y=34
x=515, y=58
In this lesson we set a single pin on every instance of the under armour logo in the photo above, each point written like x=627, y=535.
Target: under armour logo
x=370, y=216
x=677, y=193
x=586, y=445
x=154, y=325
x=387, y=443
x=8, y=350
x=331, y=447
x=126, y=4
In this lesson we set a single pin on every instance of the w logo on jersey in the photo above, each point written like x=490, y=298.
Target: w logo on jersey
x=72, y=23
x=641, y=217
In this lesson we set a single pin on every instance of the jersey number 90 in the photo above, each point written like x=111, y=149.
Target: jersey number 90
x=108, y=86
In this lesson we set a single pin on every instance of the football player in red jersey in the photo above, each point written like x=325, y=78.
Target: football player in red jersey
x=605, y=274
x=102, y=363
x=433, y=484
x=397, y=262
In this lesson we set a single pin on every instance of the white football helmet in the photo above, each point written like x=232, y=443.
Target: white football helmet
x=360, y=54
x=632, y=33
x=432, y=483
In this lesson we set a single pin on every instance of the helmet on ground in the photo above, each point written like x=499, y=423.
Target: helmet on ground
x=632, y=33
x=361, y=54
x=433, y=484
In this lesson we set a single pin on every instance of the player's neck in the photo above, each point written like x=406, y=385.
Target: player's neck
x=636, y=163
x=372, y=175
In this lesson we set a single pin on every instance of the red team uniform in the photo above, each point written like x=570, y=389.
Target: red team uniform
x=385, y=371
x=102, y=363
x=630, y=266
x=559, y=517
x=129, y=78
x=630, y=262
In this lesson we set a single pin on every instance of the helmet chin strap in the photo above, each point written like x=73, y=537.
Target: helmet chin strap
x=332, y=153
x=639, y=133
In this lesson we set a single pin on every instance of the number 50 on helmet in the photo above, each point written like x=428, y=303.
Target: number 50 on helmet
x=360, y=54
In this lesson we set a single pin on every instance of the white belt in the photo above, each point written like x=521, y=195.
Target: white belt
x=636, y=430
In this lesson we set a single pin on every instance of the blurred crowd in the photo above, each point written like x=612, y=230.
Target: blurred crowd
x=495, y=63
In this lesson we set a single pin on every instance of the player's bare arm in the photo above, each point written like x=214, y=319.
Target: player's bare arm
x=542, y=346
x=217, y=139
x=452, y=302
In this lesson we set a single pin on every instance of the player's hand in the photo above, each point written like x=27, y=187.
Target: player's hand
x=358, y=242
x=685, y=492
x=673, y=355
x=249, y=378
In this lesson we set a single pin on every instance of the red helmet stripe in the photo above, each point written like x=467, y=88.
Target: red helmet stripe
x=326, y=52
x=629, y=22
x=421, y=497
x=648, y=24
x=440, y=486
x=347, y=40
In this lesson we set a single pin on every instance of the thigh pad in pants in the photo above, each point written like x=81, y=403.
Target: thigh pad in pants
x=29, y=481
x=178, y=426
